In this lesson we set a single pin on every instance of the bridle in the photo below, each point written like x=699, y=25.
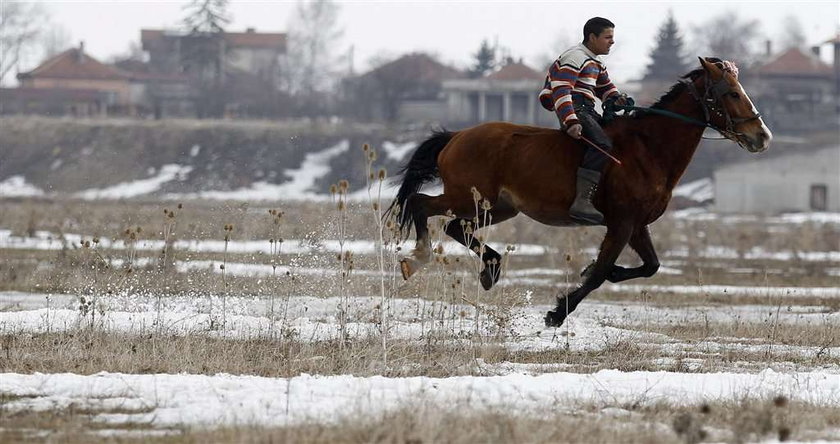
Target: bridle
x=710, y=102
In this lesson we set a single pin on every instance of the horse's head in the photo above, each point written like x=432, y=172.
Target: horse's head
x=729, y=109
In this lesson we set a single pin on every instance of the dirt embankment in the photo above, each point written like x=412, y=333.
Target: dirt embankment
x=61, y=155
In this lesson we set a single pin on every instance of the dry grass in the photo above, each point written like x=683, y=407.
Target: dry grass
x=80, y=270
x=73, y=269
x=821, y=335
x=87, y=351
x=90, y=351
x=644, y=422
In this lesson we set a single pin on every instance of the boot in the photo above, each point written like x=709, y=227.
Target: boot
x=582, y=209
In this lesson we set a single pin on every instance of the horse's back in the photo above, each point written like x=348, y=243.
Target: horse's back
x=531, y=167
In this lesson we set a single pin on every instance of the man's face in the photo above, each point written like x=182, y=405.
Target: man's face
x=601, y=43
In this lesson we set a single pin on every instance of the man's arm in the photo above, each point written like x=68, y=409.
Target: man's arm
x=604, y=87
x=562, y=79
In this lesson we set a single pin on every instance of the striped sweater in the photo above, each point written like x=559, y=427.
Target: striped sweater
x=576, y=72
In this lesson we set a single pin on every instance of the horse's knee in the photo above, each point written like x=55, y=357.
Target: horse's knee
x=650, y=269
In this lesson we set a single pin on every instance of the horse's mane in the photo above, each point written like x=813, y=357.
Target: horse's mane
x=677, y=89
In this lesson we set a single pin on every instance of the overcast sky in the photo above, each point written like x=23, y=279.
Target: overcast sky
x=452, y=30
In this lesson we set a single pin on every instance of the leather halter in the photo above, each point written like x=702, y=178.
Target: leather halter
x=711, y=103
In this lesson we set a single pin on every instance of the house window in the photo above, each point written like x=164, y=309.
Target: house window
x=819, y=197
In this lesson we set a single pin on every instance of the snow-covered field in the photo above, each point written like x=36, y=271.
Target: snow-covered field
x=167, y=401
x=767, y=327
x=170, y=401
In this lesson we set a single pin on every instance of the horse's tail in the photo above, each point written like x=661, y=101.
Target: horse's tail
x=420, y=169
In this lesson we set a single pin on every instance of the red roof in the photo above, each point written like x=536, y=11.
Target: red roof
x=419, y=66
x=250, y=39
x=75, y=64
x=795, y=62
x=143, y=71
x=52, y=94
x=516, y=71
x=261, y=40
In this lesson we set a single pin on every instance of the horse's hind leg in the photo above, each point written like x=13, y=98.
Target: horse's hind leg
x=491, y=260
x=421, y=207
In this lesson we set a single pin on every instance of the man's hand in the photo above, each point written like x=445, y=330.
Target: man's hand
x=575, y=131
x=622, y=100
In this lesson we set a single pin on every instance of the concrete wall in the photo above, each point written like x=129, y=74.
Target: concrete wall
x=782, y=184
x=472, y=101
x=120, y=88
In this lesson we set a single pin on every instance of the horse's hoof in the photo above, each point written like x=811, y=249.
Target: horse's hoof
x=405, y=267
x=554, y=319
x=486, y=280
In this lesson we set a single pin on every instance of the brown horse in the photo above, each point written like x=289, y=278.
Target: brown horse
x=532, y=170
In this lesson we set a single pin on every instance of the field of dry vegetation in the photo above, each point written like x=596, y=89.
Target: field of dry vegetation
x=280, y=290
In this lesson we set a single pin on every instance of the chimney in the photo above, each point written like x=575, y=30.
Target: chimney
x=80, y=54
x=837, y=66
x=816, y=51
x=768, y=45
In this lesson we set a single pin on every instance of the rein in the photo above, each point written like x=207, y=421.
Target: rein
x=709, y=101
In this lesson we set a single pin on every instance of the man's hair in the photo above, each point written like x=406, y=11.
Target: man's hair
x=596, y=25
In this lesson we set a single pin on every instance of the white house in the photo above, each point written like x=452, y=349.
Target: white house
x=796, y=182
x=509, y=94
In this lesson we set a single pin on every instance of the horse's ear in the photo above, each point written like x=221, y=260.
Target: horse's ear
x=710, y=66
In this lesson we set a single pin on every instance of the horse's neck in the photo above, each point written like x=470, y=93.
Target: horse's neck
x=673, y=141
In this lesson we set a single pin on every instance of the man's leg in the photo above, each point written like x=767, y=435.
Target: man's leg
x=589, y=173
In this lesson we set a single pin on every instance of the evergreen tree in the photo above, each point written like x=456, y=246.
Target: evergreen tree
x=203, y=54
x=667, y=61
x=206, y=16
x=485, y=60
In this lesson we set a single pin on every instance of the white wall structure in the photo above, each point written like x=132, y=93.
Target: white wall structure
x=796, y=182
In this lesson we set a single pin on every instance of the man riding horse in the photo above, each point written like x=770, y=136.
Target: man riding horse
x=572, y=83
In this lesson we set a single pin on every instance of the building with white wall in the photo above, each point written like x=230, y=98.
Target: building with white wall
x=791, y=183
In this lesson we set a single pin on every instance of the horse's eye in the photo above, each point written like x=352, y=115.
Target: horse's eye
x=734, y=95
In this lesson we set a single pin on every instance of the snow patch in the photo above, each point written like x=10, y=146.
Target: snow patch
x=165, y=400
x=140, y=187
x=699, y=190
x=16, y=186
x=398, y=151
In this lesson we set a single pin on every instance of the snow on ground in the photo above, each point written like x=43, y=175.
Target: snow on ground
x=594, y=325
x=704, y=214
x=701, y=190
x=398, y=151
x=300, y=186
x=165, y=400
x=16, y=186
x=44, y=240
x=150, y=185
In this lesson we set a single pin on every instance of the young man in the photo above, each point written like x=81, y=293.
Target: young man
x=573, y=82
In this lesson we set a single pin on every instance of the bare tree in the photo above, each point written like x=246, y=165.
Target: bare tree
x=728, y=37
x=55, y=40
x=311, y=65
x=549, y=54
x=209, y=16
x=203, y=54
x=21, y=24
x=793, y=36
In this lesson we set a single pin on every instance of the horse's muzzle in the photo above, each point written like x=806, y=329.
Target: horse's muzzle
x=758, y=142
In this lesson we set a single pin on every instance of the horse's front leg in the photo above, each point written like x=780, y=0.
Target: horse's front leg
x=641, y=243
x=615, y=241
